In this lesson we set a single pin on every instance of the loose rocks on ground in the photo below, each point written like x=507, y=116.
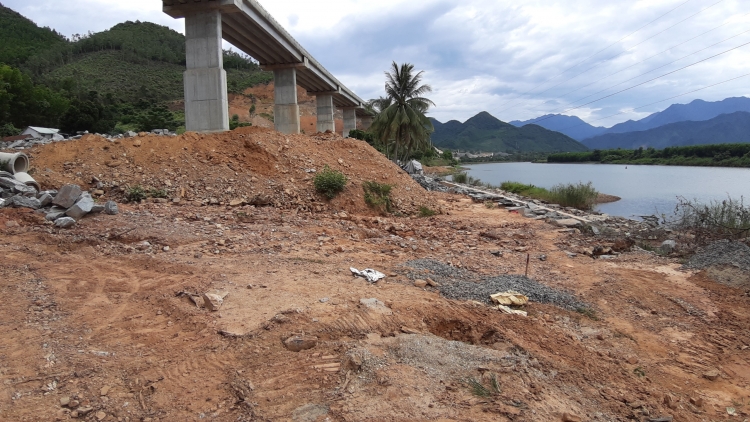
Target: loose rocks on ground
x=722, y=252
x=463, y=285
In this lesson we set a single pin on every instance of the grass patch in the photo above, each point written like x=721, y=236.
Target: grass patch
x=640, y=372
x=490, y=205
x=588, y=313
x=426, y=212
x=580, y=195
x=461, y=177
x=329, y=182
x=158, y=193
x=480, y=390
x=378, y=195
x=135, y=194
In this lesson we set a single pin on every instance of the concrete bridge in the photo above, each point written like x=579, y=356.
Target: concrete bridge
x=247, y=26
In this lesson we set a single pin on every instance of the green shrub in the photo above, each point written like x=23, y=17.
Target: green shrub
x=460, y=177
x=728, y=219
x=135, y=194
x=426, y=212
x=158, y=193
x=329, y=182
x=378, y=195
x=582, y=195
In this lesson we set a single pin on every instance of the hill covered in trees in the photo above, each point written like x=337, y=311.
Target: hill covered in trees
x=485, y=132
x=721, y=155
x=724, y=129
x=125, y=78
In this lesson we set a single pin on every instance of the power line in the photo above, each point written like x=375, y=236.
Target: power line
x=652, y=70
x=657, y=54
x=645, y=82
x=656, y=102
x=631, y=48
x=605, y=48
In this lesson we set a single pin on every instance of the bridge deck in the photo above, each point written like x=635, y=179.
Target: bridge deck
x=250, y=28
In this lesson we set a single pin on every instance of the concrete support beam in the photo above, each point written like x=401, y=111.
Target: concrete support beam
x=285, y=110
x=206, y=100
x=325, y=112
x=350, y=120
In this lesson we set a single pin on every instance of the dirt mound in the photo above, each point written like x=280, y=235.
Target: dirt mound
x=248, y=166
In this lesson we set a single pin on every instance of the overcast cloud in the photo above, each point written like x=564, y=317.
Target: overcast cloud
x=515, y=59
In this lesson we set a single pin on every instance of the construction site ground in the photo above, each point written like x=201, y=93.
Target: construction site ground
x=102, y=315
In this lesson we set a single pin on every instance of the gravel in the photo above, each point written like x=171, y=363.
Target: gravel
x=463, y=285
x=722, y=252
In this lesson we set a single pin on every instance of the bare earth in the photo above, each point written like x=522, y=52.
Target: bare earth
x=95, y=315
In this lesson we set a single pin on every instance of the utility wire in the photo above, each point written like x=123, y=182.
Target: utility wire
x=605, y=48
x=629, y=49
x=645, y=82
x=655, y=102
x=657, y=54
x=652, y=70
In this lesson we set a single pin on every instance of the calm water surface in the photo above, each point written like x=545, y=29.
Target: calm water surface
x=645, y=190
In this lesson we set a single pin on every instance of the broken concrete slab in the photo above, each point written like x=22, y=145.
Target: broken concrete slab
x=568, y=222
x=19, y=201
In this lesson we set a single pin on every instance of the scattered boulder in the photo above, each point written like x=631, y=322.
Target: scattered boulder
x=82, y=207
x=376, y=306
x=712, y=375
x=19, y=201
x=212, y=301
x=45, y=199
x=67, y=196
x=420, y=283
x=299, y=343
x=569, y=223
x=65, y=222
x=667, y=247
x=110, y=208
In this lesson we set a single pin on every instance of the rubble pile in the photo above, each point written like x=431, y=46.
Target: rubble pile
x=723, y=252
x=64, y=207
x=22, y=144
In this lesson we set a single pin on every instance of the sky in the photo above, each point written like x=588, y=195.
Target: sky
x=515, y=59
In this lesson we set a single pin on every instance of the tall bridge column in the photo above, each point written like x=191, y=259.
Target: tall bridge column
x=366, y=122
x=285, y=109
x=325, y=112
x=206, y=101
x=350, y=120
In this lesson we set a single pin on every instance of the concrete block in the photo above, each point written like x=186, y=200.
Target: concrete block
x=45, y=199
x=206, y=100
x=67, y=196
x=82, y=207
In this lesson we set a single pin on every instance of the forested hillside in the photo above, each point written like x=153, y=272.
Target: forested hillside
x=125, y=78
x=485, y=132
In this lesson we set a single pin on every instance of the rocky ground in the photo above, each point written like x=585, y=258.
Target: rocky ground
x=190, y=306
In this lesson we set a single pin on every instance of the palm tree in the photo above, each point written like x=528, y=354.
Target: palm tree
x=402, y=113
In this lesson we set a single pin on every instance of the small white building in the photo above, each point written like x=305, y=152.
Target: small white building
x=43, y=133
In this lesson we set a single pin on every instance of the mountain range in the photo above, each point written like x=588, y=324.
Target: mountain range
x=695, y=111
x=485, y=132
x=732, y=128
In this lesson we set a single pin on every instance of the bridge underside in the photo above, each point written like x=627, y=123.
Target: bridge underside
x=246, y=25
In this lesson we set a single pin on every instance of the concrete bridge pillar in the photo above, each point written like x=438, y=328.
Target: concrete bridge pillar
x=325, y=112
x=285, y=110
x=365, y=122
x=350, y=120
x=206, y=100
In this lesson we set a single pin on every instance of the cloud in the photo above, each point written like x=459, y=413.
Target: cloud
x=517, y=60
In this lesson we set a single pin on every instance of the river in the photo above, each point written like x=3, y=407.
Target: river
x=645, y=190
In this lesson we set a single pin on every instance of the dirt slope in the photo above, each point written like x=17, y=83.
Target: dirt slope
x=100, y=314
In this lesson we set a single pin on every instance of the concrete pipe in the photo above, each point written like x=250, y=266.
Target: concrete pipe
x=14, y=163
x=27, y=180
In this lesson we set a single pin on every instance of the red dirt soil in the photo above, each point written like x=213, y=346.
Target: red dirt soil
x=100, y=315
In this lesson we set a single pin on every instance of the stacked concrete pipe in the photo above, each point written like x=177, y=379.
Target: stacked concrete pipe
x=18, y=164
x=14, y=163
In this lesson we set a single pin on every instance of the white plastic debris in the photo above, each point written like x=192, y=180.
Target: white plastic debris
x=368, y=274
